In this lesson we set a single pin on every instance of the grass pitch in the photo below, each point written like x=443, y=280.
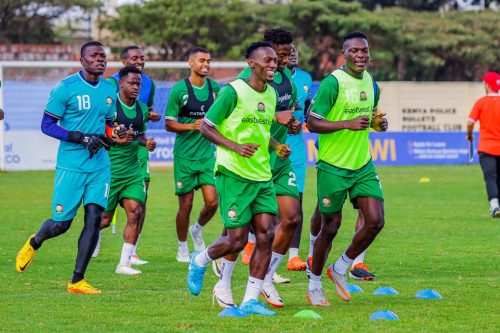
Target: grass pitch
x=437, y=236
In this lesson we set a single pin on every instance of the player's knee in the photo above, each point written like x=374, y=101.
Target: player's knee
x=237, y=244
x=377, y=224
x=93, y=214
x=212, y=205
x=60, y=228
x=186, y=207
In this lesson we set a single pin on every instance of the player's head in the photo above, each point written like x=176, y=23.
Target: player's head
x=130, y=81
x=294, y=58
x=491, y=82
x=356, y=51
x=133, y=56
x=262, y=59
x=281, y=40
x=199, y=61
x=93, y=58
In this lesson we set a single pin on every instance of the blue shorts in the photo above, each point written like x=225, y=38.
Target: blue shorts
x=71, y=187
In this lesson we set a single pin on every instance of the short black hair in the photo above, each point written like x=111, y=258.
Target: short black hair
x=128, y=48
x=88, y=44
x=197, y=49
x=254, y=46
x=355, y=34
x=128, y=69
x=278, y=36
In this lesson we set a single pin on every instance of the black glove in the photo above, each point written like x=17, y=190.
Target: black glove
x=91, y=142
x=108, y=142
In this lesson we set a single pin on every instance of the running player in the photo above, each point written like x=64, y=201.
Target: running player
x=83, y=104
x=194, y=159
x=134, y=56
x=284, y=179
x=342, y=115
x=127, y=181
x=239, y=123
x=487, y=111
x=303, y=82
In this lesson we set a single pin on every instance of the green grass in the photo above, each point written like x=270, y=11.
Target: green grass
x=437, y=236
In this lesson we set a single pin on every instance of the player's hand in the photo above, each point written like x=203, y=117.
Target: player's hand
x=196, y=125
x=285, y=117
x=247, y=149
x=359, y=123
x=470, y=137
x=294, y=127
x=119, y=131
x=91, y=142
x=283, y=151
x=107, y=142
x=150, y=144
x=379, y=123
x=154, y=116
x=129, y=137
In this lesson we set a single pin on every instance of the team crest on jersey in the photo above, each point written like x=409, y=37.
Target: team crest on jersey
x=109, y=101
x=306, y=88
x=362, y=96
x=261, y=107
x=326, y=202
x=59, y=208
x=179, y=184
x=231, y=214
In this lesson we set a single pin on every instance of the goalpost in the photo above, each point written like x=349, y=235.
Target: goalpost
x=31, y=101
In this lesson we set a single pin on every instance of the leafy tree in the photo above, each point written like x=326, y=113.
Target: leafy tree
x=29, y=21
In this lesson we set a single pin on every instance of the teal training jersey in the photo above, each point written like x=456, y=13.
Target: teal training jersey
x=81, y=106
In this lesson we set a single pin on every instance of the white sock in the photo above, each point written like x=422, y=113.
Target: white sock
x=276, y=259
x=98, y=246
x=183, y=245
x=196, y=228
x=251, y=237
x=312, y=239
x=134, y=253
x=254, y=286
x=359, y=259
x=127, y=250
x=203, y=259
x=225, y=273
x=494, y=203
x=293, y=252
x=342, y=264
x=315, y=282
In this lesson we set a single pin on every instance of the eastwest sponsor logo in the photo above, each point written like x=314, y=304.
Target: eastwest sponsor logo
x=358, y=110
x=285, y=97
x=255, y=120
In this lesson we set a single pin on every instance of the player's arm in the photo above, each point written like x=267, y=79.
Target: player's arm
x=282, y=150
x=218, y=112
x=474, y=116
x=295, y=125
x=323, y=103
x=172, y=112
x=379, y=123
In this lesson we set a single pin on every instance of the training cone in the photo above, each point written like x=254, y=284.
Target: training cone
x=385, y=291
x=428, y=294
x=234, y=312
x=354, y=288
x=424, y=180
x=308, y=314
x=384, y=315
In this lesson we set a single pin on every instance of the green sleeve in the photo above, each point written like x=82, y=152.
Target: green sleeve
x=113, y=82
x=377, y=96
x=215, y=87
x=223, y=106
x=174, y=102
x=152, y=94
x=245, y=74
x=325, y=98
x=145, y=114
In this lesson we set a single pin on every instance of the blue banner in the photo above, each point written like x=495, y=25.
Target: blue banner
x=391, y=148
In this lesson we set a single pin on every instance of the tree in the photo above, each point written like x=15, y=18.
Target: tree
x=29, y=21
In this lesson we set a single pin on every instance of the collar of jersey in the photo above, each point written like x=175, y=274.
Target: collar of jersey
x=125, y=105
x=80, y=75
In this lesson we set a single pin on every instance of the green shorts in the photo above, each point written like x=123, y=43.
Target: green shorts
x=191, y=175
x=333, y=188
x=240, y=201
x=126, y=188
x=285, y=181
x=143, y=156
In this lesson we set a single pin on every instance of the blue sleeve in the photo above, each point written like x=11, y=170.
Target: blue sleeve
x=51, y=128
